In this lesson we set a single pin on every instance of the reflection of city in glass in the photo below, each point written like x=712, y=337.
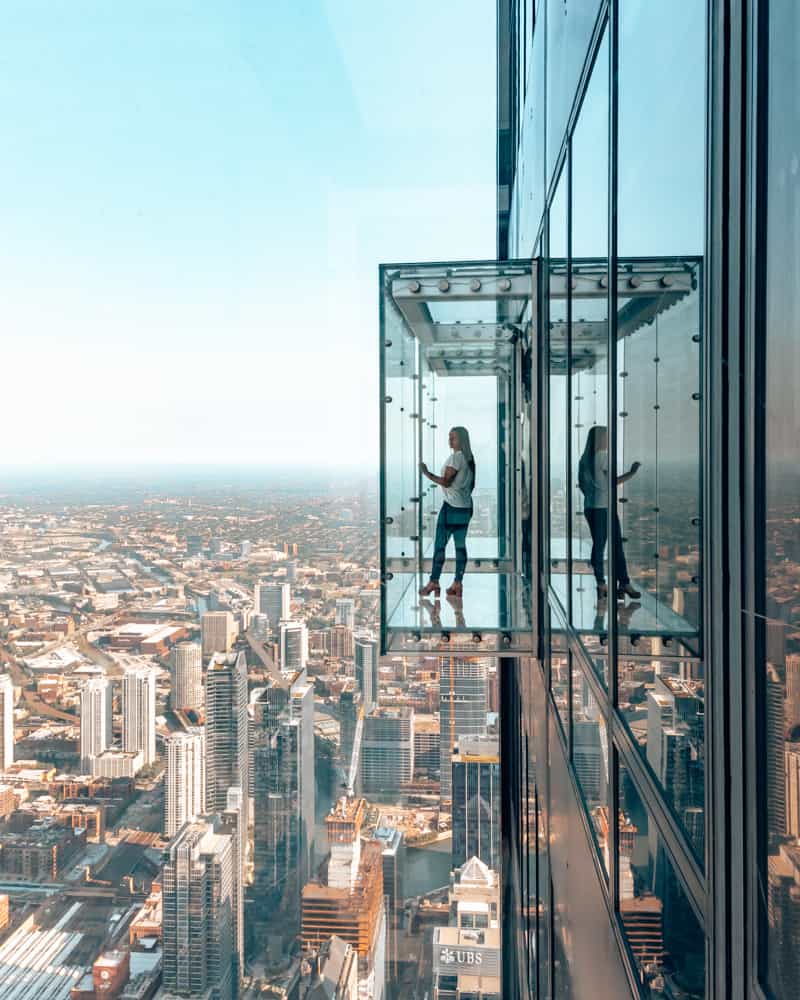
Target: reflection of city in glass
x=779, y=774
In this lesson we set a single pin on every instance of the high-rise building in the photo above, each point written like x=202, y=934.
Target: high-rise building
x=217, y=631
x=366, y=650
x=466, y=953
x=198, y=922
x=351, y=903
x=184, y=783
x=476, y=801
x=394, y=863
x=792, y=795
x=647, y=315
x=96, y=701
x=293, y=646
x=284, y=794
x=139, y=713
x=387, y=751
x=273, y=600
x=340, y=642
x=227, y=754
x=259, y=627
x=6, y=721
x=186, y=659
x=349, y=708
x=346, y=612
x=427, y=745
x=233, y=821
x=463, y=704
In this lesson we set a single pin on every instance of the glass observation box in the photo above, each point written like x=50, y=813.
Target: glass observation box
x=455, y=352
x=477, y=346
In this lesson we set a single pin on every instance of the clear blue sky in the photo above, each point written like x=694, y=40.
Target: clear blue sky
x=195, y=197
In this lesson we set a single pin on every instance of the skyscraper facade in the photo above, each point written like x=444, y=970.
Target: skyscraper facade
x=184, y=782
x=96, y=704
x=6, y=721
x=226, y=737
x=476, y=801
x=284, y=794
x=394, y=863
x=273, y=600
x=139, y=713
x=366, y=651
x=187, y=676
x=233, y=822
x=197, y=925
x=293, y=646
x=387, y=751
x=345, y=612
x=463, y=704
x=217, y=632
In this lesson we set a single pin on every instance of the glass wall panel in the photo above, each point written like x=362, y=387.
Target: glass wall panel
x=557, y=381
x=662, y=699
x=661, y=156
x=559, y=676
x=660, y=241
x=569, y=31
x=589, y=332
x=590, y=756
x=665, y=938
x=780, y=668
x=529, y=184
x=658, y=433
x=400, y=451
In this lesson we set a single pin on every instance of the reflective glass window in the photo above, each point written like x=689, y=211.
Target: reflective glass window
x=589, y=345
x=662, y=931
x=661, y=156
x=662, y=699
x=569, y=30
x=530, y=180
x=559, y=675
x=780, y=667
x=557, y=380
x=655, y=529
x=590, y=756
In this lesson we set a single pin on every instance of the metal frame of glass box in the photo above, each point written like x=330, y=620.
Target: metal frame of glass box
x=473, y=331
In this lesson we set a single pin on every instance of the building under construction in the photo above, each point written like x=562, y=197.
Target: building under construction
x=349, y=902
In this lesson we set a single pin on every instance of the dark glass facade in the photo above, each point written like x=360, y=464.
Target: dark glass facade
x=648, y=165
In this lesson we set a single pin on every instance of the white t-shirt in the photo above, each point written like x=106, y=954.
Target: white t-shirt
x=459, y=492
x=593, y=480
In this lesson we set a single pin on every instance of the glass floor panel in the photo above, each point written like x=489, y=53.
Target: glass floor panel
x=646, y=617
x=493, y=616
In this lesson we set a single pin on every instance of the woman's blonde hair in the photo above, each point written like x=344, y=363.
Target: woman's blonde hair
x=466, y=449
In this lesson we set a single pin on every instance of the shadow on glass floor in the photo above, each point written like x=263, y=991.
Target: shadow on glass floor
x=492, y=616
x=645, y=618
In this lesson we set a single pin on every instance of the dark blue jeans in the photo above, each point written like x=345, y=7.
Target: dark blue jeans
x=598, y=526
x=452, y=521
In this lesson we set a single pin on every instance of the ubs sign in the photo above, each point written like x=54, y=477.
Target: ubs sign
x=478, y=961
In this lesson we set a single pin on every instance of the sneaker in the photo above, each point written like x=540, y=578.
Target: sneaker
x=629, y=590
x=602, y=591
x=455, y=589
x=431, y=587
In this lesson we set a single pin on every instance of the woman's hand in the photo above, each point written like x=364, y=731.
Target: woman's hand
x=635, y=466
x=423, y=468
